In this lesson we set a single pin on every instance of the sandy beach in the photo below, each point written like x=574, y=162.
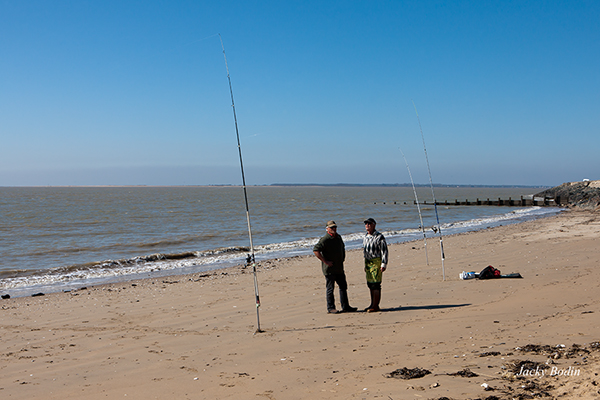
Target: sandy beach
x=194, y=337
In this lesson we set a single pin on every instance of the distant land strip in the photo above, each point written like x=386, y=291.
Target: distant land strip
x=443, y=185
x=405, y=185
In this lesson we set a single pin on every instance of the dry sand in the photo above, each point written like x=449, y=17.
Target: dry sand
x=193, y=337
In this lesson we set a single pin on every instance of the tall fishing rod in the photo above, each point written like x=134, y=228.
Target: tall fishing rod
x=418, y=206
x=250, y=259
x=439, y=227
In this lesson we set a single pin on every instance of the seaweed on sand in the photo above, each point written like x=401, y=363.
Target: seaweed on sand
x=406, y=373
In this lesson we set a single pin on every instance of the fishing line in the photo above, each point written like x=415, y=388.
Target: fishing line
x=418, y=206
x=438, y=227
x=250, y=259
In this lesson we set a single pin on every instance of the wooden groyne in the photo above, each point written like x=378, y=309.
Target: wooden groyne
x=510, y=202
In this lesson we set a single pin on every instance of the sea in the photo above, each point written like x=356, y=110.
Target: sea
x=63, y=238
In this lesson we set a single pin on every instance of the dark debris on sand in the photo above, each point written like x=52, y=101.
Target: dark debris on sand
x=490, y=354
x=478, y=398
x=560, y=351
x=406, y=373
x=515, y=385
x=531, y=389
x=465, y=373
x=489, y=398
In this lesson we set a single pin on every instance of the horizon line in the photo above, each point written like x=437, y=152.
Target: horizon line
x=287, y=185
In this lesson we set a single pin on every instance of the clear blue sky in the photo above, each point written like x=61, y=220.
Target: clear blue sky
x=136, y=92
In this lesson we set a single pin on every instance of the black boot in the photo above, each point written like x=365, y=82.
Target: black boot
x=345, y=303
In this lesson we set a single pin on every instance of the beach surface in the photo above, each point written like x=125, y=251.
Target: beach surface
x=194, y=336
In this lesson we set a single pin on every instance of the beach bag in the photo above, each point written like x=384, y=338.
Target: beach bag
x=489, y=272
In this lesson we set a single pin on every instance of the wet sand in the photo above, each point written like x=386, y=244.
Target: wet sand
x=194, y=337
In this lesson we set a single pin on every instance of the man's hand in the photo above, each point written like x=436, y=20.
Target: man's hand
x=323, y=260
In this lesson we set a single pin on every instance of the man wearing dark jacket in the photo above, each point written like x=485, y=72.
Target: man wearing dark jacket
x=331, y=251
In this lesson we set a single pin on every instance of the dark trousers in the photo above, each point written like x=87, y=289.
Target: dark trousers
x=330, y=281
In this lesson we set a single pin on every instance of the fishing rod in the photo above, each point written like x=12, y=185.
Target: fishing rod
x=418, y=206
x=250, y=259
x=438, y=227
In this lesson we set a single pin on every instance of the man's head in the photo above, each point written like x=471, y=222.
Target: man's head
x=331, y=227
x=370, y=225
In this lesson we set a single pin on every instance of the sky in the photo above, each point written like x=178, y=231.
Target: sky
x=136, y=92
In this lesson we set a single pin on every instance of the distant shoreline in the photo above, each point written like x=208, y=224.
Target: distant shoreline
x=445, y=185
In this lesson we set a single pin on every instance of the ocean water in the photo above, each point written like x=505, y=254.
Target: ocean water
x=59, y=238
